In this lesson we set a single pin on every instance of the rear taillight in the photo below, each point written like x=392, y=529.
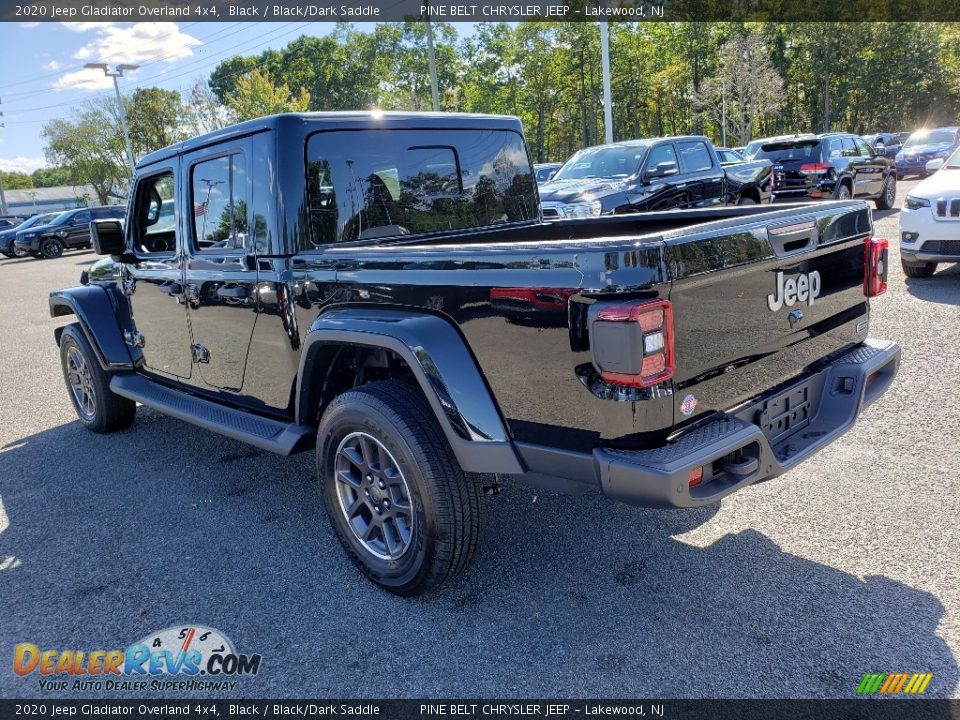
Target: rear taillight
x=814, y=168
x=654, y=318
x=876, y=251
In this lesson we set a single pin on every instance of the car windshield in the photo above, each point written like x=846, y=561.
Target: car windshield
x=791, y=150
x=931, y=137
x=604, y=161
x=61, y=218
x=953, y=162
x=37, y=220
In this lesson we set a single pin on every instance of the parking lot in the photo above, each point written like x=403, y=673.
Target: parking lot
x=794, y=588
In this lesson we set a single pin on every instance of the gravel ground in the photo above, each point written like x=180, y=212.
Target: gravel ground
x=794, y=588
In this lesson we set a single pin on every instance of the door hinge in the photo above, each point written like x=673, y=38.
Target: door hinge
x=200, y=354
x=134, y=338
x=129, y=286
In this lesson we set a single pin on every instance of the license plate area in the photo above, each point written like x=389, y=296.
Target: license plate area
x=785, y=414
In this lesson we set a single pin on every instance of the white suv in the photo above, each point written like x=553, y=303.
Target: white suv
x=930, y=220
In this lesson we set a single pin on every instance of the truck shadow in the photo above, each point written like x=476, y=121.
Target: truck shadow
x=943, y=287
x=108, y=538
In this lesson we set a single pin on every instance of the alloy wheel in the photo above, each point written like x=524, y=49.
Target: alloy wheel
x=81, y=383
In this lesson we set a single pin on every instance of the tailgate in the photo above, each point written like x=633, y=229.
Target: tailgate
x=756, y=304
x=788, y=176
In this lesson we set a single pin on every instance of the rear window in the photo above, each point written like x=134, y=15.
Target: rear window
x=387, y=183
x=790, y=150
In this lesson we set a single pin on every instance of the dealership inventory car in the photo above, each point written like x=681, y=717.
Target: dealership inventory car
x=924, y=146
x=886, y=144
x=69, y=229
x=728, y=155
x=651, y=174
x=836, y=166
x=544, y=171
x=422, y=336
x=7, y=237
x=930, y=221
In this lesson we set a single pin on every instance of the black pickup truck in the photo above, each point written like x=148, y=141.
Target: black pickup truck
x=381, y=289
x=652, y=174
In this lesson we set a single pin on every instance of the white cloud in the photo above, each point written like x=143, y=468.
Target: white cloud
x=29, y=25
x=84, y=26
x=138, y=43
x=92, y=79
x=52, y=65
x=22, y=164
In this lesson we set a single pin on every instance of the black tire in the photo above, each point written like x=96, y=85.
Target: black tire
x=842, y=192
x=920, y=270
x=442, y=510
x=51, y=248
x=108, y=412
x=888, y=195
x=746, y=200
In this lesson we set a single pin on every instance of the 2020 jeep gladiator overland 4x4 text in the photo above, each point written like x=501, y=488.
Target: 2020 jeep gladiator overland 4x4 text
x=381, y=288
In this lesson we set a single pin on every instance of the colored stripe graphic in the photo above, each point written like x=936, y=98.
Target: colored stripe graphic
x=894, y=683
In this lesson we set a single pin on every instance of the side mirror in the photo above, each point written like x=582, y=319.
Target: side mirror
x=108, y=237
x=880, y=148
x=934, y=165
x=662, y=170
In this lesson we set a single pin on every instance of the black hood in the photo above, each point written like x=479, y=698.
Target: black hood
x=582, y=190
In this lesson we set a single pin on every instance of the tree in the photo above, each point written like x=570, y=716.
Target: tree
x=15, y=180
x=202, y=112
x=91, y=149
x=153, y=119
x=747, y=88
x=50, y=177
x=256, y=95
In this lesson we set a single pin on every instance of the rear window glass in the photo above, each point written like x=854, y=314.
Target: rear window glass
x=386, y=183
x=694, y=156
x=784, y=151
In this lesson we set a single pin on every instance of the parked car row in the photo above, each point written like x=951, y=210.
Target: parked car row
x=48, y=235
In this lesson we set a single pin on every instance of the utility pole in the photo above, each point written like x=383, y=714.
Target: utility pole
x=3, y=197
x=432, y=58
x=826, y=88
x=118, y=73
x=605, y=65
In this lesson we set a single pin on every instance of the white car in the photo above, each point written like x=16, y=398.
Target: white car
x=930, y=220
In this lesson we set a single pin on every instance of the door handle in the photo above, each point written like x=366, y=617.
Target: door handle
x=233, y=292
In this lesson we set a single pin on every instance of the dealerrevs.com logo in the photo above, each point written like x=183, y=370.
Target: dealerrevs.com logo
x=187, y=658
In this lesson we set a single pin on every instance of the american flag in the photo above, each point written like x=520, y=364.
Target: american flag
x=199, y=209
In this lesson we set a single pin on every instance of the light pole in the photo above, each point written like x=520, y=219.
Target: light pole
x=118, y=73
x=605, y=67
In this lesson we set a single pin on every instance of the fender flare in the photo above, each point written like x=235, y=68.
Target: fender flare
x=444, y=367
x=100, y=318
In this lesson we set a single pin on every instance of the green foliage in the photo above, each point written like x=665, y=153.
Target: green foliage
x=90, y=147
x=16, y=180
x=153, y=118
x=256, y=95
x=50, y=177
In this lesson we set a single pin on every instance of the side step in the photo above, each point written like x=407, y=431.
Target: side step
x=278, y=437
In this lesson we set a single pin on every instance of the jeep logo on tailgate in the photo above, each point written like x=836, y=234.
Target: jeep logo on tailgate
x=804, y=288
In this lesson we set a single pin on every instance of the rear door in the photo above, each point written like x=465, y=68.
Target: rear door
x=703, y=176
x=869, y=169
x=221, y=271
x=756, y=304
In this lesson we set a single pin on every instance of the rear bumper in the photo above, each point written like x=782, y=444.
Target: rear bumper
x=757, y=441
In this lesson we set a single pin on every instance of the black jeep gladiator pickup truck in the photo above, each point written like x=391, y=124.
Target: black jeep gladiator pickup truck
x=380, y=288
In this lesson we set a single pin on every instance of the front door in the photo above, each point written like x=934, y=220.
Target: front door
x=78, y=229
x=154, y=282
x=221, y=272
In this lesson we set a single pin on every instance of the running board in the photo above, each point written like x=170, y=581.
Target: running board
x=281, y=438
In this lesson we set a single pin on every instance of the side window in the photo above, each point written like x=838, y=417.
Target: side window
x=155, y=227
x=835, y=148
x=219, y=198
x=82, y=218
x=862, y=149
x=661, y=154
x=694, y=157
x=849, y=149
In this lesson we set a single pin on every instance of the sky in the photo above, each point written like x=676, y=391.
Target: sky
x=42, y=75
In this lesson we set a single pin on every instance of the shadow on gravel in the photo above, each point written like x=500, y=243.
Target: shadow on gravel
x=943, y=287
x=112, y=537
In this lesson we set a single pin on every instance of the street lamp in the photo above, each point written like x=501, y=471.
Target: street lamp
x=117, y=73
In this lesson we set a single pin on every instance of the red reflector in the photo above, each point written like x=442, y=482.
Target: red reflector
x=876, y=252
x=655, y=318
x=696, y=476
x=814, y=168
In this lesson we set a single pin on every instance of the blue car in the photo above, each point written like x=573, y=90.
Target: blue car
x=925, y=145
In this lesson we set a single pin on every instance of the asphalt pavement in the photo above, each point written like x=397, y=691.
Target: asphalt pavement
x=794, y=588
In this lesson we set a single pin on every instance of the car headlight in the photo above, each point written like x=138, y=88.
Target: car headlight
x=915, y=203
x=27, y=236
x=582, y=210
